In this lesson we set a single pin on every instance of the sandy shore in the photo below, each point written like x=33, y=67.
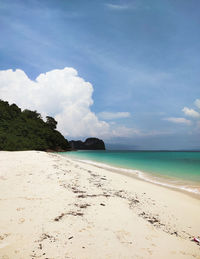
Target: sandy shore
x=54, y=207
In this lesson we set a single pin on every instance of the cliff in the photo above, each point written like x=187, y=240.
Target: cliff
x=89, y=144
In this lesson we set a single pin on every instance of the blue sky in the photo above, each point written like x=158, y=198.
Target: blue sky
x=142, y=59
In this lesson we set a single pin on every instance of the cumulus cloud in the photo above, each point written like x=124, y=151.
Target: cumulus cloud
x=178, y=120
x=191, y=112
x=197, y=103
x=62, y=94
x=113, y=115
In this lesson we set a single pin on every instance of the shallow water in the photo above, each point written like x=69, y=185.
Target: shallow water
x=175, y=169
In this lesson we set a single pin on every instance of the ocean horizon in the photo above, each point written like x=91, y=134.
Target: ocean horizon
x=174, y=169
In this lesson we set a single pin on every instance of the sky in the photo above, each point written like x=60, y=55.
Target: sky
x=124, y=71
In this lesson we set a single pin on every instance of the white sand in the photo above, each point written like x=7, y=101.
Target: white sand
x=54, y=207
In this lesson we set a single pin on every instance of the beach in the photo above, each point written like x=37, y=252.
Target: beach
x=56, y=207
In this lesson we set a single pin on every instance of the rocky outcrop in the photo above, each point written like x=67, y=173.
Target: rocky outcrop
x=89, y=144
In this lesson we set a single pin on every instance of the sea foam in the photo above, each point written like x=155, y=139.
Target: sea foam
x=146, y=177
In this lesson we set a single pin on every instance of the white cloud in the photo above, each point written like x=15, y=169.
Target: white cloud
x=191, y=112
x=117, y=7
x=64, y=95
x=178, y=120
x=113, y=115
x=197, y=103
x=124, y=131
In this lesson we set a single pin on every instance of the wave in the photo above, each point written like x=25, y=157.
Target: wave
x=147, y=177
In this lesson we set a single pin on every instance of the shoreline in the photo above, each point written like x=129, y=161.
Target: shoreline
x=165, y=182
x=55, y=207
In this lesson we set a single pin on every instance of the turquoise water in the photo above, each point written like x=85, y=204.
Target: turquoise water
x=179, y=168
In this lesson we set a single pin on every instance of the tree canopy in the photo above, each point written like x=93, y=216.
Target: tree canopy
x=25, y=130
x=51, y=122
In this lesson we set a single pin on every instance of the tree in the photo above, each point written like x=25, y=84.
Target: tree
x=25, y=130
x=51, y=122
x=32, y=114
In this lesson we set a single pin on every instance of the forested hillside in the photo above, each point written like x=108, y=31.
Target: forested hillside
x=25, y=130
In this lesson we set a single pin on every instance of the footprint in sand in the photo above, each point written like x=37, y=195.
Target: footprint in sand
x=2, y=237
x=3, y=178
x=21, y=220
x=148, y=250
x=19, y=209
x=123, y=236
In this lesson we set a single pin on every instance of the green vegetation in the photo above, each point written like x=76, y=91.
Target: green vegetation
x=25, y=130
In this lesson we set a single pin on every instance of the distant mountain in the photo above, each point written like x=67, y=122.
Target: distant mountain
x=89, y=144
x=25, y=130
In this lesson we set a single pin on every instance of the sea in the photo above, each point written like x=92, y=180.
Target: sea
x=174, y=169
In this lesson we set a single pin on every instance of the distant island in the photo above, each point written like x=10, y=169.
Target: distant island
x=89, y=144
x=26, y=130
